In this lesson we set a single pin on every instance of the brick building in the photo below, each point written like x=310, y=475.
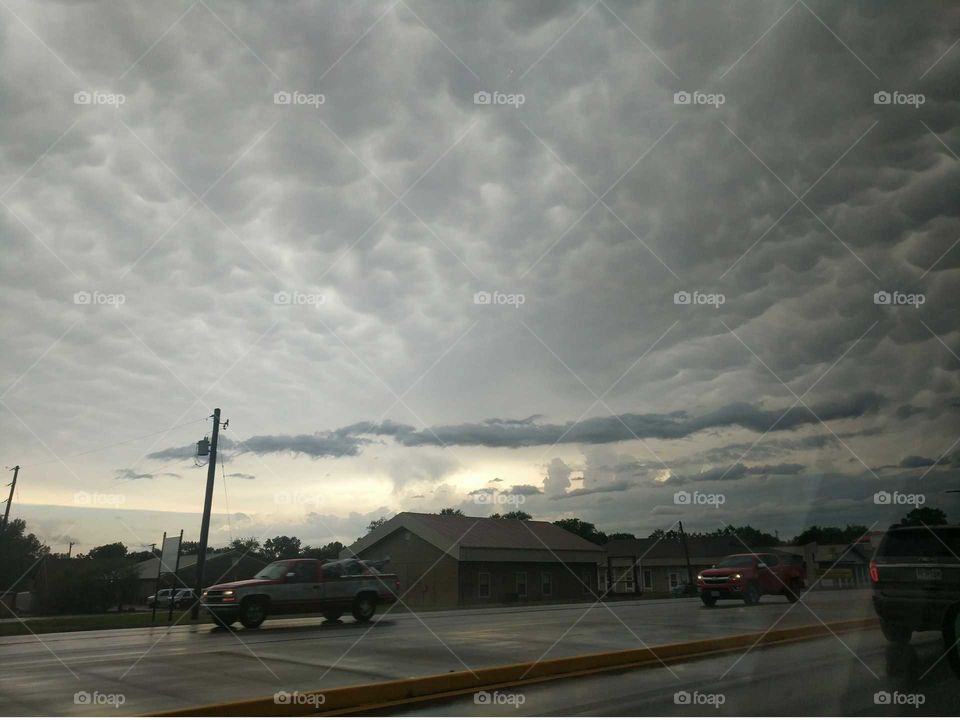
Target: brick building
x=457, y=561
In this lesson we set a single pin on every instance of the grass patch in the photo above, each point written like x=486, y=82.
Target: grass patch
x=104, y=621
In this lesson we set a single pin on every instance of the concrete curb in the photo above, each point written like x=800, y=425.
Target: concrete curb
x=368, y=697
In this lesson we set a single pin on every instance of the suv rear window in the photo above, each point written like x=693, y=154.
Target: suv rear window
x=915, y=542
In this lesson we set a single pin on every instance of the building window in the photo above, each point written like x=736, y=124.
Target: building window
x=674, y=579
x=483, y=586
x=648, y=579
x=521, y=584
x=546, y=584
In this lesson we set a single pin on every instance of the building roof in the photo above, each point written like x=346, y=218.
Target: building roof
x=476, y=538
x=148, y=568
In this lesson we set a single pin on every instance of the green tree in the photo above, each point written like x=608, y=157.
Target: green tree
x=830, y=535
x=111, y=551
x=248, y=546
x=20, y=553
x=925, y=516
x=586, y=530
x=330, y=551
x=517, y=515
x=451, y=511
x=374, y=524
x=281, y=547
x=621, y=536
x=750, y=536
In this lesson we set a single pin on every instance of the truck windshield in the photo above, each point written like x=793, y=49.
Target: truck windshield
x=941, y=543
x=273, y=571
x=736, y=561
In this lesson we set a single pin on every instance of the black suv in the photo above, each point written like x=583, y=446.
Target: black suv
x=916, y=581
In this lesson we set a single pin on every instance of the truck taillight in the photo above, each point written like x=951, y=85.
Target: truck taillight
x=874, y=573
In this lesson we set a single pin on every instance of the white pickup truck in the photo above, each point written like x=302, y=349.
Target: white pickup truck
x=303, y=585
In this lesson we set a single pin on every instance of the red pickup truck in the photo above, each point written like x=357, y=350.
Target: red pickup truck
x=746, y=577
x=303, y=586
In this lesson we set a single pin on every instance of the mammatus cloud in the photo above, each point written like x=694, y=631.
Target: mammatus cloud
x=498, y=433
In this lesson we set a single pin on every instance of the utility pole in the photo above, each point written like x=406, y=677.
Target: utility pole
x=70, y=551
x=686, y=553
x=13, y=485
x=205, y=521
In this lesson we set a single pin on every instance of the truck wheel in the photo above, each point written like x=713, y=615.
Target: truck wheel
x=751, y=596
x=363, y=608
x=332, y=615
x=224, y=622
x=791, y=592
x=708, y=600
x=895, y=633
x=253, y=612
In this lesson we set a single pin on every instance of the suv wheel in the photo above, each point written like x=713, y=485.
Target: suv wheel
x=708, y=600
x=895, y=633
x=363, y=608
x=792, y=591
x=253, y=612
x=751, y=596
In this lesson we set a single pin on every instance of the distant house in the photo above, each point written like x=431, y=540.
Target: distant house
x=220, y=567
x=457, y=561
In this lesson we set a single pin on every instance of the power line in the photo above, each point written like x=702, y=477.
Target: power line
x=121, y=442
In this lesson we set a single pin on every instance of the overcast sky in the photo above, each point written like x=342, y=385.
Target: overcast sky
x=298, y=211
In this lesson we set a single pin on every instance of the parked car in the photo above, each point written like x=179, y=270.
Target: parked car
x=749, y=576
x=915, y=575
x=330, y=588
x=184, y=598
x=161, y=599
